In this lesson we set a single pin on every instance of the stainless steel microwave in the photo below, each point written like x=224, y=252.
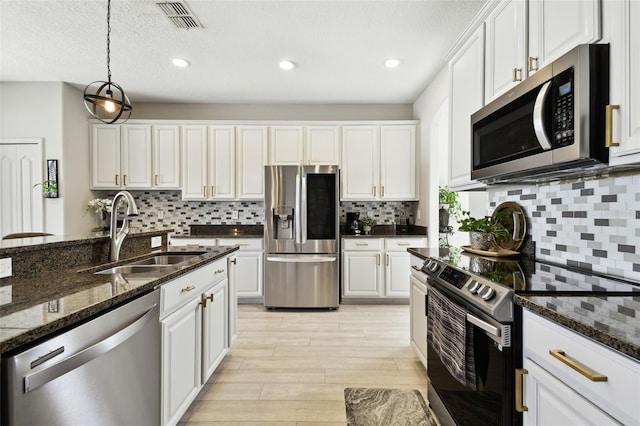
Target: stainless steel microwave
x=551, y=123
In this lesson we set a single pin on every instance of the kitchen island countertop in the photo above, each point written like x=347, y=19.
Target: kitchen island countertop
x=35, y=307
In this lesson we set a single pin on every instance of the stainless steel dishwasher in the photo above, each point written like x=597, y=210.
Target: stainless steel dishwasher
x=103, y=372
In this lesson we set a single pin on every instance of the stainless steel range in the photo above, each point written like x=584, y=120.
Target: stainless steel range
x=473, y=329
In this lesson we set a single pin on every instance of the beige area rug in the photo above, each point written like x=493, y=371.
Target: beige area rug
x=378, y=407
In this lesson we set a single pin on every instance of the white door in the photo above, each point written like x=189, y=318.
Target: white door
x=361, y=274
x=286, y=145
x=21, y=169
x=222, y=162
x=398, y=162
x=251, y=159
x=323, y=145
x=166, y=156
x=105, y=157
x=136, y=156
x=214, y=328
x=194, y=163
x=397, y=274
x=360, y=163
x=418, y=317
x=249, y=274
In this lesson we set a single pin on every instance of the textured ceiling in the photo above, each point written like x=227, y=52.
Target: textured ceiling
x=339, y=47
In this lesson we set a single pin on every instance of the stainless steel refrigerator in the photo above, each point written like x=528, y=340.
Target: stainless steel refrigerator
x=301, y=235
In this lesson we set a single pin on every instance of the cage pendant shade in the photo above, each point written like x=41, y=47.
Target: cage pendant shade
x=106, y=100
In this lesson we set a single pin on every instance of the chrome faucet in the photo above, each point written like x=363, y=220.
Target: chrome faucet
x=117, y=238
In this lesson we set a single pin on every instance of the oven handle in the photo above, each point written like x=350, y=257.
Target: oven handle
x=494, y=331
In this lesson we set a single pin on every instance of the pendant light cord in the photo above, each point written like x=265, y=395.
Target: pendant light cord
x=109, y=42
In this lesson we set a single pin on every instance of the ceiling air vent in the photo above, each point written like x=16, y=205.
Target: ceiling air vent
x=179, y=14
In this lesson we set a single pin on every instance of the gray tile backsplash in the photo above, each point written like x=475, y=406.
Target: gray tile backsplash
x=593, y=224
x=180, y=214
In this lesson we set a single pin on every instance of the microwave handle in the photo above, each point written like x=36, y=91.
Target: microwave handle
x=538, y=123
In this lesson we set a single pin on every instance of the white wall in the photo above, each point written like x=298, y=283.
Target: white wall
x=49, y=110
x=143, y=110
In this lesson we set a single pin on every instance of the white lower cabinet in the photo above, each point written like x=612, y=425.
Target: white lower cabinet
x=377, y=267
x=571, y=380
x=417, y=306
x=248, y=269
x=194, y=335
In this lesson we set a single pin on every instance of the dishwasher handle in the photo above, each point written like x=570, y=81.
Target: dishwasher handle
x=34, y=380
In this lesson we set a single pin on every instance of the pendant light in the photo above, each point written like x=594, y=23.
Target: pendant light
x=106, y=100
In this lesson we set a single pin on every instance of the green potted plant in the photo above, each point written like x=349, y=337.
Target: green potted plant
x=367, y=223
x=449, y=206
x=484, y=232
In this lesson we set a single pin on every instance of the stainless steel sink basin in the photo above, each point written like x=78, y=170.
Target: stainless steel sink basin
x=166, y=259
x=133, y=269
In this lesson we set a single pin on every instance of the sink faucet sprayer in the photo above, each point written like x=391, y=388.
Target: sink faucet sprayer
x=118, y=238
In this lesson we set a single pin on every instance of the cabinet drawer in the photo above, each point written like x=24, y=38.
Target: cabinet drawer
x=179, y=291
x=618, y=395
x=362, y=244
x=245, y=244
x=402, y=244
x=181, y=242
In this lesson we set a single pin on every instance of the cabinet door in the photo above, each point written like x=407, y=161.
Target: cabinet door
x=552, y=402
x=181, y=360
x=361, y=274
x=506, y=56
x=232, y=297
x=194, y=163
x=465, y=97
x=323, y=145
x=398, y=163
x=360, y=163
x=222, y=162
x=286, y=145
x=251, y=159
x=214, y=328
x=136, y=156
x=249, y=274
x=166, y=156
x=397, y=274
x=418, y=318
x=623, y=34
x=557, y=26
x=105, y=156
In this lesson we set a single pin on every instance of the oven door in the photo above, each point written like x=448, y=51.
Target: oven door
x=492, y=402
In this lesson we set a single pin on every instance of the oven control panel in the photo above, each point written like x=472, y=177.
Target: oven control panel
x=454, y=276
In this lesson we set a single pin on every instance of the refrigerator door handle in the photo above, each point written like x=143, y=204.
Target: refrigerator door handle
x=297, y=218
x=302, y=259
x=303, y=204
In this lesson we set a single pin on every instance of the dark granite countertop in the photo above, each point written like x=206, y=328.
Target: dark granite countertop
x=613, y=321
x=387, y=231
x=34, y=307
x=224, y=231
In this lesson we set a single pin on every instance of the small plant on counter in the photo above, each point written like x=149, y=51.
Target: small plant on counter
x=100, y=205
x=368, y=221
x=485, y=231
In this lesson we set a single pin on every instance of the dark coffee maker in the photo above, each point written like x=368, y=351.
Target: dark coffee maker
x=353, y=222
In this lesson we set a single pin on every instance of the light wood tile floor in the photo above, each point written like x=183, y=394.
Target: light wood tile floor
x=290, y=367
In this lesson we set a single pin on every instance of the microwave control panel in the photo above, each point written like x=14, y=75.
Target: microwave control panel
x=563, y=109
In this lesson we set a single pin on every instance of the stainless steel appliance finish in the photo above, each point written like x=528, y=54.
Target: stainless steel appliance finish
x=301, y=235
x=550, y=123
x=103, y=372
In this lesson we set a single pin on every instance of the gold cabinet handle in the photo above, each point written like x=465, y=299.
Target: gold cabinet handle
x=517, y=74
x=533, y=63
x=382, y=191
x=210, y=297
x=188, y=288
x=234, y=261
x=377, y=259
x=402, y=244
x=117, y=180
x=213, y=190
x=578, y=366
x=362, y=244
x=205, y=191
x=520, y=407
x=124, y=180
x=387, y=257
x=156, y=180
x=219, y=271
x=608, y=126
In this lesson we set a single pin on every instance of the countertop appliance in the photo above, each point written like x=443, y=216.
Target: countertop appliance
x=483, y=288
x=103, y=372
x=301, y=237
x=353, y=222
x=551, y=123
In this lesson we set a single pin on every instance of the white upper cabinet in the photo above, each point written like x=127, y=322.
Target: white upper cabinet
x=194, y=157
x=166, y=156
x=505, y=47
x=323, y=145
x=557, y=26
x=360, y=162
x=622, y=31
x=222, y=162
x=251, y=154
x=398, y=162
x=465, y=97
x=105, y=156
x=136, y=156
x=286, y=145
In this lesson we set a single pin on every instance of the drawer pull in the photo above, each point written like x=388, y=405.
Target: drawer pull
x=362, y=244
x=234, y=261
x=188, y=288
x=520, y=407
x=608, y=127
x=157, y=180
x=533, y=63
x=402, y=244
x=578, y=366
x=242, y=245
x=210, y=297
x=219, y=271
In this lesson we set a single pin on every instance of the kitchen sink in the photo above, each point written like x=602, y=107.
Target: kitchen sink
x=157, y=262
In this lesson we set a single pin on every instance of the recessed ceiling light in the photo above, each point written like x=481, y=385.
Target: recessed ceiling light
x=392, y=63
x=287, y=64
x=180, y=62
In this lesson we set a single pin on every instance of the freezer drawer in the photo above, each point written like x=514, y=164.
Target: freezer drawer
x=301, y=281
